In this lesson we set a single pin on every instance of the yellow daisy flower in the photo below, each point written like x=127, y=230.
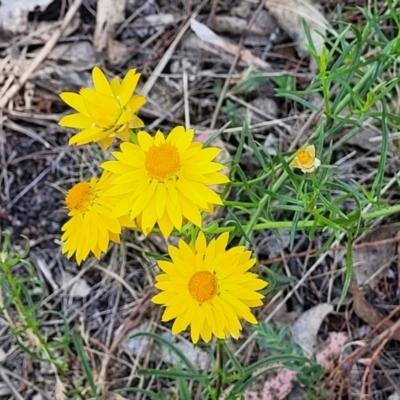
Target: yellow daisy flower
x=165, y=180
x=208, y=288
x=105, y=112
x=305, y=160
x=91, y=225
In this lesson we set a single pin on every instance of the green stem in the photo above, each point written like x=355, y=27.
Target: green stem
x=220, y=363
x=250, y=227
x=252, y=223
x=382, y=212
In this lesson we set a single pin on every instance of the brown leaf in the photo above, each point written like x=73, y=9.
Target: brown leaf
x=367, y=312
x=290, y=15
x=369, y=260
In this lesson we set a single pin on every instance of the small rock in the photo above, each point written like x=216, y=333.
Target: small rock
x=266, y=105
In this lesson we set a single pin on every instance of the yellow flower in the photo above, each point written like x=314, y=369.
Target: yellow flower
x=91, y=225
x=208, y=288
x=305, y=159
x=105, y=112
x=164, y=180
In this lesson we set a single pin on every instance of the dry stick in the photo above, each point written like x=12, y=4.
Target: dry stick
x=369, y=370
x=28, y=188
x=41, y=56
x=164, y=60
x=226, y=84
x=186, y=93
x=10, y=385
x=335, y=248
x=299, y=134
x=233, y=66
x=164, y=116
x=25, y=382
x=389, y=378
x=346, y=364
x=212, y=12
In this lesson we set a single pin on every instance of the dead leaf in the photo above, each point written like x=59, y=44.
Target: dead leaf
x=206, y=35
x=3, y=355
x=290, y=15
x=79, y=288
x=369, y=139
x=224, y=23
x=45, y=29
x=120, y=52
x=160, y=19
x=367, y=312
x=264, y=24
x=80, y=54
x=46, y=270
x=61, y=390
x=369, y=260
x=110, y=14
x=305, y=329
x=113, y=396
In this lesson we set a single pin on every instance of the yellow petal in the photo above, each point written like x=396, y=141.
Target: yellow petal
x=75, y=101
x=75, y=121
x=101, y=83
x=174, y=213
x=128, y=86
x=311, y=150
x=175, y=134
x=115, y=85
x=104, y=110
x=145, y=140
x=189, y=210
x=88, y=135
x=124, y=118
x=161, y=196
x=159, y=138
x=105, y=143
x=135, y=122
x=185, y=140
x=200, y=244
x=135, y=102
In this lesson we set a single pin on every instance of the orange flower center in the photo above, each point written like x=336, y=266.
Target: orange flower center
x=80, y=197
x=203, y=286
x=163, y=162
x=304, y=157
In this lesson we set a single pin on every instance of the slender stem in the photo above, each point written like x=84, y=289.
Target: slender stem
x=220, y=363
x=382, y=212
x=301, y=224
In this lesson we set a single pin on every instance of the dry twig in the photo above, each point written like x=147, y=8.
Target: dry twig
x=41, y=56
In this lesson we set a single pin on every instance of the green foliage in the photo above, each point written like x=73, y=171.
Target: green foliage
x=21, y=295
x=231, y=111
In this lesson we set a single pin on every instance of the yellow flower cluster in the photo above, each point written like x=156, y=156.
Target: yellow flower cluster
x=164, y=180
